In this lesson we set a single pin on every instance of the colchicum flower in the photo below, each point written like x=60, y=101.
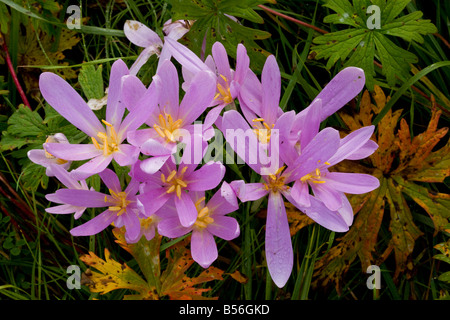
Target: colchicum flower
x=143, y=36
x=211, y=221
x=172, y=182
x=107, y=143
x=69, y=182
x=172, y=121
x=123, y=209
x=46, y=159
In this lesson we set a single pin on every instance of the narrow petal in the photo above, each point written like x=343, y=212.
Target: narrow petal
x=141, y=35
x=184, y=56
x=279, y=252
x=143, y=58
x=363, y=152
x=354, y=183
x=82, y=198
x=351, y=143
x=66, y=179
x=115, y=108
x=340, y=90
x=72, y=151
x=224, y=227
x=126, y=155
x=248, y=191
x=38, y=156
x=317, y=211
x=242, y=64
x=153, y=147
x=132, y=226
x=250, y=93
x=203, y=248
x=271, y=84
x=221, y=60
x=346, y=211
x=141, y=112
x=111, y=180
x=223, y=201
x=153, y=200
x=311, y=124
x=206, y=178
x=62, y=209
x=187, y=212
x=153, y=164
x=328, y=195
x=68, y=103
x=320, y=149
x=300, y=192
x=95, y=225
x=172, y=228
x=198, y=97
x=93, y=166
x=132, y=90
x=168, y=86
x=241, y=138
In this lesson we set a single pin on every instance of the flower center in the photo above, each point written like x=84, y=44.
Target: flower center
x=263, y=130
x=315, y=177
x=224, y=93
x=109, y=143
x=119, y=202
x=167, y=127
x=276, y=181
x=147, y=222
x=174, y=181
x=203, y=218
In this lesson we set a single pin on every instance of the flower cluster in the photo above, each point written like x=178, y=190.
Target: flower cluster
x=162, y=141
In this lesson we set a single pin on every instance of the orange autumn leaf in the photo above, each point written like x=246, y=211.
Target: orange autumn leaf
x=399, y=161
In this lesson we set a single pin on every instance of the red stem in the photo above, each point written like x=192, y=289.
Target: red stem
x=292, y=19
x=13, y=73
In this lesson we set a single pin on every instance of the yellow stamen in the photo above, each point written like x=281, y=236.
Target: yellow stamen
x=181, y=183
x=163, y=178
x=171, y=189
x=178, y=191
x=114, y=208
x=197, y=203
x=171, y=175
x=159, y=131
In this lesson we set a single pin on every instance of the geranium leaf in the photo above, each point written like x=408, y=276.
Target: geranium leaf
x=361, y=43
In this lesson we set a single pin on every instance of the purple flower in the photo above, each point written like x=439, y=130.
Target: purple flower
x=211, y=220
x=46, y=159
x=171, y=121
x=175, y=183
x=107, y=143
x=122, y=206
x=69, y=182
x=142, y=36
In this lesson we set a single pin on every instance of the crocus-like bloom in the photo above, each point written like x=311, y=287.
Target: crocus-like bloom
x=46, y=159
x=278, y=244
x=107, y=143
x=122, y=206
x=69, y=182
x=173, y=182
x=143, y=36
x=211, y=221
x=171, y=121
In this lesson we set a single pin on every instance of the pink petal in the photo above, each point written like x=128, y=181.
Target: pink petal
x=126, y=155
x=328, y=195
x=198, y=97
x=300, y=192
x=132, y=226
x=73, y=151
x=271, y=85
x=221, y=60
x=115, y=108
x=95, y=225
x=82, y=198
x=203, y=248
x=224, y=227
x=248, y=191
x=184, y=56
x=168, y=85
x=93, y=166
x=279, y=253
x=206, y=178
x=187, y=212
x=354, y=183
x=242, y=64
x=141, y=35
x=111, y=180
x=153, y=200
x=341, y=89
x=223, y=201
x=132, y=90
x=68, y=103
x=153, y=164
